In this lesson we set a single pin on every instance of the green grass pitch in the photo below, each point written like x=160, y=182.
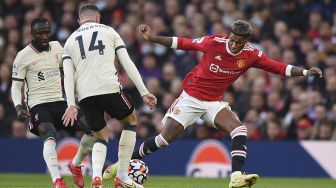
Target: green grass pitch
x=43, y=181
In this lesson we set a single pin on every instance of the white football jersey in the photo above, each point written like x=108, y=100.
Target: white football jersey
x=92, y=50
x=40, y=73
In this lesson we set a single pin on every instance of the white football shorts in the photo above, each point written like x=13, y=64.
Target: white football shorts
x=187, y=109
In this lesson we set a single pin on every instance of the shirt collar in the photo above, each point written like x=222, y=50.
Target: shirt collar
x=38, y=48
x=229, y=51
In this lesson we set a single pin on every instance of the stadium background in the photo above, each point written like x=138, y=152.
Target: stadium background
x=277, y=110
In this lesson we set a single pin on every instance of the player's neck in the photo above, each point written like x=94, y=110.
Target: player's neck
x=88, y=21
x=39, y=47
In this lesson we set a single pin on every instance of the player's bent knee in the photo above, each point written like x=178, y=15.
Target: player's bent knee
x=51, y=134
x=103, y=134
x=46, y=130
x=130, y=127
x=130, y=119
x=239, y=131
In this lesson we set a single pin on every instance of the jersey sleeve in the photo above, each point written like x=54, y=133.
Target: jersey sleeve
x=200, y=44
x=265, y=63
x=65, y=53
x=19, y=68
x=118, y=41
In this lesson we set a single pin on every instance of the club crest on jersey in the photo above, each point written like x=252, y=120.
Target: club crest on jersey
x=240, y=63
x=57, y=58
x=177, y=111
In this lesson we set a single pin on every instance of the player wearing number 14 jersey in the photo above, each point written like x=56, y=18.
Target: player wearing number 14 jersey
x=89, y=71
x=37, y=67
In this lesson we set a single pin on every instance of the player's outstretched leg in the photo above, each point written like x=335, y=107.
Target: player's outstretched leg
x=226, y=120
x=74, y=166
x=169, y=133
x=238, y=153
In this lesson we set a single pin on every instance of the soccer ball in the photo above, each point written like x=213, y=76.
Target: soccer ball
x=138, y=171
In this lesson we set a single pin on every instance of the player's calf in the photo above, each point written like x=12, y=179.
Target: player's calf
x=149, y=146
x=238, y=147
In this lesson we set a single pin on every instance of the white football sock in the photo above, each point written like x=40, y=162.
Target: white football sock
x=126, y=147
x=85, y=148
x=98, y=159
x=50, y=157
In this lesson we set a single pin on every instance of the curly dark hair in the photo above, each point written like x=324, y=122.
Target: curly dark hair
x=241, y=28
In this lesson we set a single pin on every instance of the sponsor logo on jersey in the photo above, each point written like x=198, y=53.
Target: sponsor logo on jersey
x=216, y=69
x=241, y=63
x=40, y=76
x=66, y=151
x=210, y=158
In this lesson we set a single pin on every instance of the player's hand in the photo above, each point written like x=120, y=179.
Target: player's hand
x=70, y=116
x=146, y=31
x=314, y=71
x=150, y=100
x=21, y=113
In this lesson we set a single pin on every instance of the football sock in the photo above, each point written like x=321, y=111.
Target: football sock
x=98, y=158
x=50, y=157
x=126, y=147
x=149, y=146
x=85, y=148
x=238, y=147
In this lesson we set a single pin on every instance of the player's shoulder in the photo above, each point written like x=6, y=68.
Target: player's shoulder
x=55, y=44
x=217, y=38
x=252, y=49
x=25, y=52
x=210, y=39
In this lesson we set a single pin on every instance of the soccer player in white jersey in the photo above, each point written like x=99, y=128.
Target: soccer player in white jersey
x=38, y=66
x=89, y=70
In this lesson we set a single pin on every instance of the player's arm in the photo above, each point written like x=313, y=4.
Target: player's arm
x=173, y=42
x=70, y=115
x=134, y=75
x=69, y=85
x=270, y=65
x=18, y=75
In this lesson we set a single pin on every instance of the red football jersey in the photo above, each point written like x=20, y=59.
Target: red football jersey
x=219, y=67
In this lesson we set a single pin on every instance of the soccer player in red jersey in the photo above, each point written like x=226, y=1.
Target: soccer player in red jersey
x=224, y=60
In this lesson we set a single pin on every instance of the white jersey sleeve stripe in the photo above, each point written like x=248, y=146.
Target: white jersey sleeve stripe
x=65, y=57
x=17, y=79
x=119, y=47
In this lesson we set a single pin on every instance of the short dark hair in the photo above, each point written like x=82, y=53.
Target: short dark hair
x=37, y=21
x=241, y=28
x=87, y=6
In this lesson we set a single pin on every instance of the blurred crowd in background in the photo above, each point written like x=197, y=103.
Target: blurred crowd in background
x=296, y=32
